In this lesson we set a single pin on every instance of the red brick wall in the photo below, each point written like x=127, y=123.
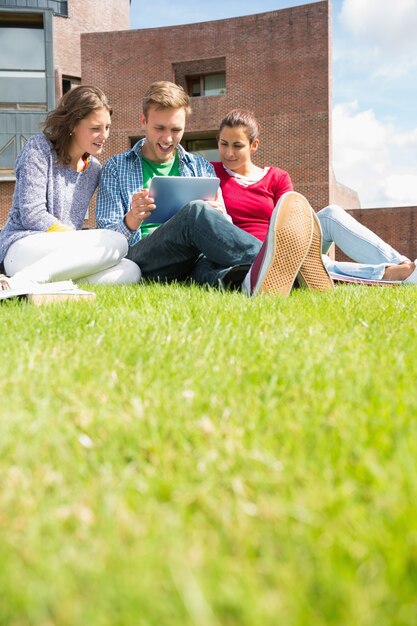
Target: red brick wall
x=277, y=64
x=91, y=16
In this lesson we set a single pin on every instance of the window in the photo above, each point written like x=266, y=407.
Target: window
x=69, y=82
x=202, y=77
x=194, y=87
x=22, y=61
x=60, y=7
x=206, y=147
x=207, y=85
x=27, y=87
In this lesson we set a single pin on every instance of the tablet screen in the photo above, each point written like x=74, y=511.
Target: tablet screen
x=171, y=193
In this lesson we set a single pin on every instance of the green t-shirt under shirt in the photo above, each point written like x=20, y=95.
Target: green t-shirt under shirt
x=151, y=169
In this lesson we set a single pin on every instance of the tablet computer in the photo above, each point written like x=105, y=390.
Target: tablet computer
x=171, y=193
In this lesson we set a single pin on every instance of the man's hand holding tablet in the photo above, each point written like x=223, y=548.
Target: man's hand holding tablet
x=141, y=207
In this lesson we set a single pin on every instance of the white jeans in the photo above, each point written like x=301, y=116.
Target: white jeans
x=371, y=253
x=93, y=256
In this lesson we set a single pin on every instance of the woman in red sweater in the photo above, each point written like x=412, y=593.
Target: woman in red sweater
x=250, y=194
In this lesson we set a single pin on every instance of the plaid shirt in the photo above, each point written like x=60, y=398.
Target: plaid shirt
x=122, y=176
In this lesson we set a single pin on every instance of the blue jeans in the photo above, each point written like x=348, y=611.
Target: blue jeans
x=371, y=253
x=198, y=243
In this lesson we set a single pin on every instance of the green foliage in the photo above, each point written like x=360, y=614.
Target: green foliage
x=177, y=456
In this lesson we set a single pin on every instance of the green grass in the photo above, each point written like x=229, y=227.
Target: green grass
x=185, y=457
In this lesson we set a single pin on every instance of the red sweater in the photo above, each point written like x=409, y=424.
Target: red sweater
x=251, y=207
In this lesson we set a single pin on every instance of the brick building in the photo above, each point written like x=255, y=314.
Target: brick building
x=40, y=58
x=277, y=63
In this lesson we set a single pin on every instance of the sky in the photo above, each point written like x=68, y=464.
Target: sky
x=374, y=85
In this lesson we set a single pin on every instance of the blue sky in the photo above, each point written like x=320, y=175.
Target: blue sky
x=374, y=85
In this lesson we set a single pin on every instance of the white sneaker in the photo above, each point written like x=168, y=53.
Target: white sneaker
x=412, y=279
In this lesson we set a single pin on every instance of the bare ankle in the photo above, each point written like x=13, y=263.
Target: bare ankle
x=399, y=272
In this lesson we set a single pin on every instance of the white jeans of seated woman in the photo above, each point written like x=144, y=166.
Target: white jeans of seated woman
x=90, y=256
x=371, y=253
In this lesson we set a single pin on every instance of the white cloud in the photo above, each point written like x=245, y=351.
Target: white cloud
x=374, y=157
x=384, y=35
x=385, y=23
x=402, y=188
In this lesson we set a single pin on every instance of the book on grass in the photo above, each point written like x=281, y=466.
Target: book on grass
x=38, y=293
x=171, y=193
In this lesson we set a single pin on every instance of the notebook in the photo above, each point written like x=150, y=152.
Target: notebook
x=45, y=293
x=171, y=193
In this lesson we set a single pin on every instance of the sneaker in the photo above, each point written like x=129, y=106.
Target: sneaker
x=232, y=280
x=313, y=273
x=284, y=249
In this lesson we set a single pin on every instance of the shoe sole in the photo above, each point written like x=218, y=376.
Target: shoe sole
x=313, y=273
x=289, y=240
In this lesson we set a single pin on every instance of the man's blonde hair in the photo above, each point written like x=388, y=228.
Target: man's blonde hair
x=165, y=95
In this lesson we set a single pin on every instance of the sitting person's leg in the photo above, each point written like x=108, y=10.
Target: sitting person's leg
x=354, y=239
x=357, y=270
x=201, y=244
x=231, y=256
x=45, y=257
x=206, y=272
x=172, y=250
x=374, y=258
x=125, y=272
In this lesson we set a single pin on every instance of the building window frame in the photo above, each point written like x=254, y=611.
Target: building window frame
x=19, y=121
x=46, y=15
x=197, y=84
x=203, y=143
x=69, y=82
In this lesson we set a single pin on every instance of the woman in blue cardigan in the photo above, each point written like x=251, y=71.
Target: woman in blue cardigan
x=57, y=173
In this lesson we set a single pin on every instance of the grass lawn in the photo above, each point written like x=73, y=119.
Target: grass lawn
x=174, y=456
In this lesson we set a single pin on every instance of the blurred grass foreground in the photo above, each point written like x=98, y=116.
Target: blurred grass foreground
x=185, y=457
